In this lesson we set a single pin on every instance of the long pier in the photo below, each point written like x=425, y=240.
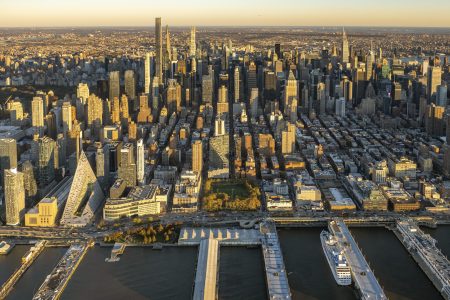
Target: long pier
x=276, y=277
x=27, y=261
x=205, y=287
x=56, y=281
x=364, y=278
x=423, y=249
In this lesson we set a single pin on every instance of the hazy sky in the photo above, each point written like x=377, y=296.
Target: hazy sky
x=17, y=13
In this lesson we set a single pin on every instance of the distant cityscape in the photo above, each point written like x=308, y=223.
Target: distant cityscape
x=105, y=131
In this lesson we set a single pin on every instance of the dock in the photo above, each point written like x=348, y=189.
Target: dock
x=205, y=287
x=55, y=283
x=27, y=261
x=276, y=277
x=364, y=278
x=423, y=249
x=117, y=250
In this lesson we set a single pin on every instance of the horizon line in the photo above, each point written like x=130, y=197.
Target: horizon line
x=229, y=26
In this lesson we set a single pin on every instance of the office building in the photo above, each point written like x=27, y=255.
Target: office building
x=345, y=52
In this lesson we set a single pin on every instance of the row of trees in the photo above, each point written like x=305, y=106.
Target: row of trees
x=145, y=235
x=219, y=201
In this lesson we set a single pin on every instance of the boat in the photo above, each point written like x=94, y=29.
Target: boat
x=336, y=259
x=5, y=247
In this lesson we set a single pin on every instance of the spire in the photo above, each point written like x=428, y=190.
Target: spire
x=291, y=75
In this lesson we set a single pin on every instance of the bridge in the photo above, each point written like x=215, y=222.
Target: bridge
x=423, y=249
x=365, y=280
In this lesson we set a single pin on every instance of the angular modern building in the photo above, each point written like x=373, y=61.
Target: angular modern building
x=85, y=196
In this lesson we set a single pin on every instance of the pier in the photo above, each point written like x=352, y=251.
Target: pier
x=116, y=251
x=27, y=261
x=56, y=281
x=276, y=277
x=364, y=278
x=206, y=276
x=423, y=249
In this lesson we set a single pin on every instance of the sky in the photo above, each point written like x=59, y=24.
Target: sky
x=60, y=13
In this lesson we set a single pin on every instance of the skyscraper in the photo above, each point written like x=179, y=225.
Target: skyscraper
x=290, y=95
x=8, y=154
x=140, y=161
x=192, y=44
x=222, y=101
x=102, y=165
x=173, y=96
x=130, y=84
x=167, y=53
x=147, y=74
x=288, y=139
x=127, y=165
x=114, y=85
x=434, y=77
x=14, y=196
x=197, y=156
x=207, y=89
x=159, y=50
x=237, y=84
x=46, y=161
x=83, y=91
x=66, y=111
x=345, y=48
x=37, y=114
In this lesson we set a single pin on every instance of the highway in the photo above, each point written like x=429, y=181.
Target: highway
x=211, y=219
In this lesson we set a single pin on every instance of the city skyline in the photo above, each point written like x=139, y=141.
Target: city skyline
x=249, y=13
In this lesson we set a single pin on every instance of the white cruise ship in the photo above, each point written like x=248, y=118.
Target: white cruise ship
x=336, y=259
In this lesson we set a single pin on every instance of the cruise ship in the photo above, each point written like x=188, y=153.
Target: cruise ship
x=336, y=259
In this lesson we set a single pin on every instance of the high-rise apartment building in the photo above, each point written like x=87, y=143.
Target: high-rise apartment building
x=14, y=196
x=140, y=161
x=46, y=161
x=8, y=154
x=114, y=85
x=83, y=91
x=197, y=156
x=127, y=165
x=159, y=51
x=130, y=84
x=147, y=73
x=192, y=44
x=37, y=114
x=66, y=110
